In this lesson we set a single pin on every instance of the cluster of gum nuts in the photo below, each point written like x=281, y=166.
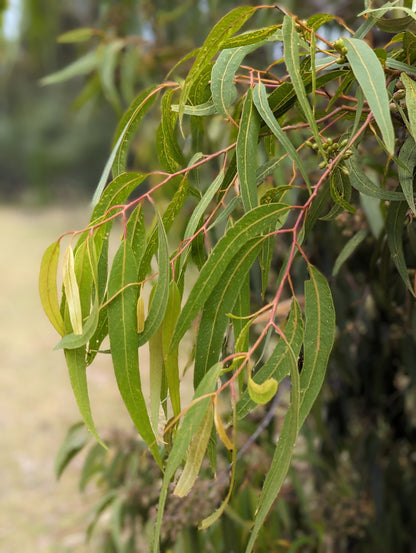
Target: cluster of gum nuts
x=331, y=150
x=341, y=49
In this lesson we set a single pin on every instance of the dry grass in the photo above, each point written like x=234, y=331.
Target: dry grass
x=39, y=514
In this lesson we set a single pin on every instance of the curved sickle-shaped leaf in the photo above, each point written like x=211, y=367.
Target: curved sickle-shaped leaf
x=370, y=75
x=366, y=186
x=161, y=294
x=349, y=249
x=122, y=330
x=246, y=152
x=169, y=152
x=171, y=358
x=214, y=318
x=407, y=156
x=394, y=228
x=262, y=104
x=192, y=419
x=48, y=290
x=319, y=338
x=259, y=220
x=222, y=77
x=77, y=368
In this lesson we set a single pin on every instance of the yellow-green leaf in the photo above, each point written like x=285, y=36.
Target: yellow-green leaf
x=195, y=455
x=72, y=291
x=264, y=392
x=48, y=287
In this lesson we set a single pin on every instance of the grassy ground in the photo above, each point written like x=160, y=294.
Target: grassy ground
x=39, y=514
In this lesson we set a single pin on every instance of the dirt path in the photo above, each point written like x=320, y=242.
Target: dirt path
x=37, y=513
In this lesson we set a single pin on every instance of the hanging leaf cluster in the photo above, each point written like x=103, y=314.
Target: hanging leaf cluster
x=288, y=156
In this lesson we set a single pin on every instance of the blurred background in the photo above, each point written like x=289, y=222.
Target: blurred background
x=55, y=136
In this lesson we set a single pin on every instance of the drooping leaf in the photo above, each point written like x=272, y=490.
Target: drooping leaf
x=72, y=340
x=77, y=365
x=281, y=458
x=107, y=71
x=128, y=126
x=171, y=360
x=394, y=229
x=169, y=152
x=291, y=52
x=259, y=220
x=370, y=75
x=222, y=77
x=71, y=287
x=195, y=413
x=48, y=287
x=136, y=233
x=195, y=455
x=407, y=156
x=262, y=104
x=221, y=301
x=410, y=87
x=122, y=329
x=361, y=182
x=247, y=152
x=161, y=294
x=349, y=249
x=318, y=341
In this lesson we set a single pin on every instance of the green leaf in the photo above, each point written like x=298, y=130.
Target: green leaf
x=48, y=290
x=319, y=339
x=77, y=35
x=169, y=152
x=392, y=63
x=407, y=156
x=349, y=249
x=291, y=51
x=365, y=185
x=247, y=152
x=161, y=294
x=370, y=75
x=221, y=301
x=76, y=438
x=193, y=416
x=81, y=66
x=223, y=88
x=128, y=126
x=77, y=365
x=396, y=215
x=72, y=340
x=281, y=458
x=136, y=233
x=262, y=104
x=319, y=19
x=259, y=220
x=122, y=329
x=218, y=35
x=195, y=455
x=257, y=37
x=168, y=217
x=171, y=357
x=410, y=87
